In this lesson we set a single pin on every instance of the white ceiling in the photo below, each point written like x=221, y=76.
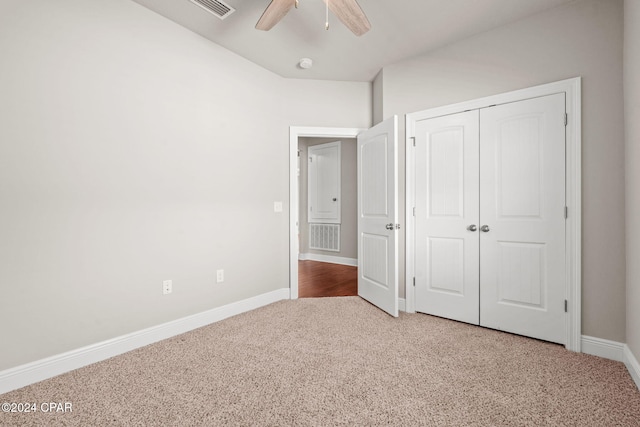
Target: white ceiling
x=399, y=30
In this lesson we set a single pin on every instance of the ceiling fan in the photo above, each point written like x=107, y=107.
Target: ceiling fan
x=347, y=11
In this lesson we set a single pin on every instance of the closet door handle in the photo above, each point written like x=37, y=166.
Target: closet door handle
x=472, y=227
x=485, y=228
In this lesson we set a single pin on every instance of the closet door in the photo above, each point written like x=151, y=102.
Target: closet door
x=446, y=223
x=522, y=237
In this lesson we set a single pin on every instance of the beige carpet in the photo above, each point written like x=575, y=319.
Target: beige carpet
x=340, y=361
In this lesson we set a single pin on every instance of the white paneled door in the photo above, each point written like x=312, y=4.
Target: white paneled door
x=324, y=196
x=447, y=208
x=522, y=242
x=490, y=217
x=378, y=216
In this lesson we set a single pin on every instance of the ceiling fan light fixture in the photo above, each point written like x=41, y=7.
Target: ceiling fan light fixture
x=305, y=63
x=348, y=12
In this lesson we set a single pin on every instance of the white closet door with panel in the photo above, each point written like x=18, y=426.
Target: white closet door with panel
x=490, y=217
x=522, y=242
x=447, y=202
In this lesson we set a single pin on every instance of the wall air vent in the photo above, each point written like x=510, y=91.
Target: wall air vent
x=216, y=7
x=325, y=237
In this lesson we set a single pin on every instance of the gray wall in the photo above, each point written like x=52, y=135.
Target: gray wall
x=135, y=151
x=349, y=205
x=632, y=156
x=579, y=39
x=378, y=97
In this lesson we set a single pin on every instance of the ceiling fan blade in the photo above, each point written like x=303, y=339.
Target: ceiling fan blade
x=276, y=10
x=351, y=15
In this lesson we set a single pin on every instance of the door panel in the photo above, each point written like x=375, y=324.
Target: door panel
x=447, y=257
x=374, y=176
x=521, y=269
x=378, y=208
x=522, y=187
x=517, y=161
x=375, y=247
x=446, y=265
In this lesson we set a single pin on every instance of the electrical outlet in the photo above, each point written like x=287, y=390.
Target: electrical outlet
x=219, y=276
x=167, y=287
x=277, y=206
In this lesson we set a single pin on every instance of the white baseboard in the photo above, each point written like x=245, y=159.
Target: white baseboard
x=402, y=304
x=603, y=348
x=20, y=376
x=613, y=350
x=632, y=365
x=329, y=258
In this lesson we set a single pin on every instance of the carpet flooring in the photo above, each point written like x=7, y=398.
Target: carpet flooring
x=339, y=361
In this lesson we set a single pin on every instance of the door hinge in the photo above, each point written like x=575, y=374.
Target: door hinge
x=414, y=281
x=566, y=306
x=566, y=212
x=566, y=119
x=413, y=138
x=414, y=211
x=310, y=159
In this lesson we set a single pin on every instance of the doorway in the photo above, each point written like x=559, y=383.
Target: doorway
x=327, y=217
x=377, y=195
x=295, y=133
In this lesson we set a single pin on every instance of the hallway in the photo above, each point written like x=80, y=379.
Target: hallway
x=323, y=279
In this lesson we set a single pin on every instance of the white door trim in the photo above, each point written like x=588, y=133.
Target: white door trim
x=296, y=132
x=573, y=280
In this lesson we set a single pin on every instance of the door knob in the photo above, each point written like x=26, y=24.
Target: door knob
x=389, y=226
x=335, y=200
x=472, y=227
x=485, y=228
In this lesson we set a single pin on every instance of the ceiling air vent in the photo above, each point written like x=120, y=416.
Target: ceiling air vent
x=216, y=7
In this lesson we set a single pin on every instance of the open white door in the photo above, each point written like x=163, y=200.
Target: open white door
x=377, y=215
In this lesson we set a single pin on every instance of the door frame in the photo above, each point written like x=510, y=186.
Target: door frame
x=573, y=171
x=296, y=132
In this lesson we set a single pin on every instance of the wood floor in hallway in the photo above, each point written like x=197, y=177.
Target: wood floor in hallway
x=323, y=279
